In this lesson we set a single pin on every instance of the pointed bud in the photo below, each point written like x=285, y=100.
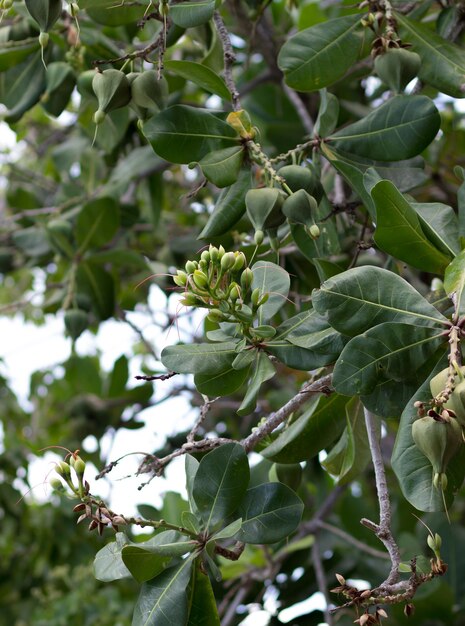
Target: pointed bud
x=246, y=278
x=227, y=261
x=190, y=267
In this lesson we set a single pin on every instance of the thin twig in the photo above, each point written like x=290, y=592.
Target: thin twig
x=322, y=385
x=363, y=547
x=229, y=59
x=203, y=414
x=383, y=529
x=321, y=580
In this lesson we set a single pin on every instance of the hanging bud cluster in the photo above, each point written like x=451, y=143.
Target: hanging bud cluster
x=71, y=475
x=221, y=282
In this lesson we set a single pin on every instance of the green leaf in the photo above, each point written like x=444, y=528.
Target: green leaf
x=163, y=601
x=318, y=426
x=439, y=223
x=99, y=285
x=320, y=55
x=328, y=114
x=390, y=350
x=362, y=297
x=199, y=74
x=299, y=358
x=199, y=358
x=270, y=512
x=191, y=466
x=222, y=167
x=181, y=134
x=108, y=562
x=454, y=282
x=110, y=14
x=220, y=483
x=190, y=14
x=147, y=560
x=228, y=531
x=21, y=87
x=311, y=331
x=388, y=398
x=118, y=377
x=230, y=206
x=413, y=469
x=442, y=62
x=97, y=223
x=399, y=129
x=203, y=610
x=399, y=232
x=262, y=370
x=274, y=280
x=349, y=457
x=221, y=383
x=14, y=52
x=327, y=244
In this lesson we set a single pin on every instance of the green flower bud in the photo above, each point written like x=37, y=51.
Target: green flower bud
x=190, y=300
x=221, y=252
x=314, y=231
x=239, y=262
x=57, y=485
x=180, y=279
x=255, y=296
x=246, y=278
x=63, y=469
x=43, y=39
x=263, y=299
x=259, y=237
x=216, y=316
x=190, y=267
x=78, y=464
x=234, y=292
x=200, y=279
x=205, y=256
x=227, y=261
x=213, y=253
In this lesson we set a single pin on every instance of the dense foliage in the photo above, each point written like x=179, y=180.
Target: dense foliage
x=293, y=171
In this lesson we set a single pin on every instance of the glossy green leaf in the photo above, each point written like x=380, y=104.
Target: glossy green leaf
x=230, y=206
x=389, y=350
x=318, y=426
x=118, y=377
x=190, y=14
x=264, y=206
x=163, y=601
x=413, y=470
x=262, y=370
x=203, y=610
x=108, y=13
x=399, y=231
x=182, y=134
x=201, y=75
x=389, y=397
x=222, y=167
x=273, y=280
x=349, y=457
x=454, y=282
x=97, y=223
x=149, y=559
x=21, y=87
x=362, y=297
x=220, y=483
x=191, y=466
x=399, y=129
x=108, y=562
x=199, y=358
x=320, y=55
x=442, y=62
x=222, y=383
x=228, y=531
x=270, y=512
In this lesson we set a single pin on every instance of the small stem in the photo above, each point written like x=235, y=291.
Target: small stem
x=229, y=59
x=321, y=580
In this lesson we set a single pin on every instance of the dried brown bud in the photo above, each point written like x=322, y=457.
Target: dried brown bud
x=366, y=593
x=93, y=525
x=79, y=507
x=381, y=613
x=119, y=520
x=341, y=580
x=409, y=610
x=81, y=518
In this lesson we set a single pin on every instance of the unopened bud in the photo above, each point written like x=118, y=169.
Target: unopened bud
x=239, y=262
x=314, y=231
x=57, y=485
x=200, y=279
x=213, y=253
x=221, y=252
x=246, y=278
x=180, y=279
x=190, y=267
x=234, y=292
x=216, y=316
x=63, y=469
x=259, y=237
x=205, y=256
x=227, y=261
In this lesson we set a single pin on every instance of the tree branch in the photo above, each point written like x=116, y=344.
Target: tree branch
x=229, y=59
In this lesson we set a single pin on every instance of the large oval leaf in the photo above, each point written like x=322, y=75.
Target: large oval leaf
x=108, y=562
x=399, y=231
x=201, y=75
x=220, y=483
x=399, y=129
x=270, y=512
x=221, y=383
x=190, y=14
x=442, y=62
x=273, y=280
x=181, y=134
x=199, y=358
x=390, y=350
x=320, y=55
x=362, y=297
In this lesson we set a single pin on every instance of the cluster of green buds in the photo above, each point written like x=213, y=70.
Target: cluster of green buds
x=72, y=479
x=221, y=282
